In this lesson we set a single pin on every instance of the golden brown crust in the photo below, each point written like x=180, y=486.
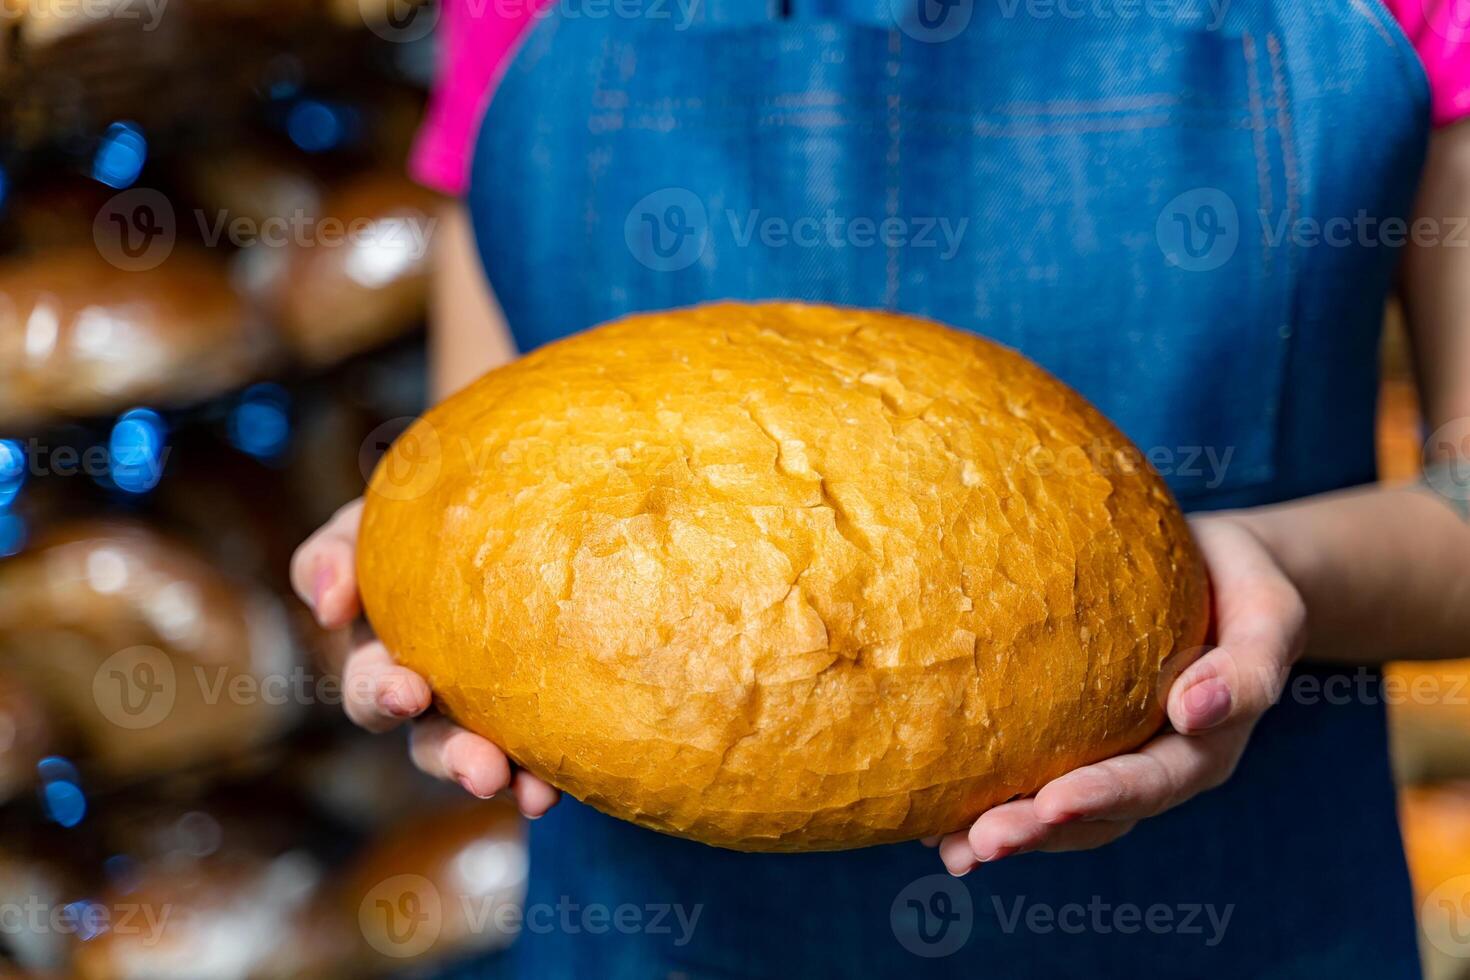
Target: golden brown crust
x=79, y=336
x=783, y=577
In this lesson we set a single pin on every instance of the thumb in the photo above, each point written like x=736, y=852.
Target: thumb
x=1259, y=621
x=1227, y=685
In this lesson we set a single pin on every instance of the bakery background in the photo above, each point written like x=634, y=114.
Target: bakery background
x=213, y=279
x=212, y=291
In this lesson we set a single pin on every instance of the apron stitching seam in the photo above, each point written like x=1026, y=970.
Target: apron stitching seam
x=600, y=95
x=1285, y=133
x=1258, y=142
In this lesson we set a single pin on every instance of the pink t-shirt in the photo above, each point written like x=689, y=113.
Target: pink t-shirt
x=1440, y=31
x=477, y=38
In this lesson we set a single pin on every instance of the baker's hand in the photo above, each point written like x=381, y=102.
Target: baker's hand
x=380, y=695
x=1259, y=620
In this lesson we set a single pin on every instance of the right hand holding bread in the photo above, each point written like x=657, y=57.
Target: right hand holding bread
x=379, y=695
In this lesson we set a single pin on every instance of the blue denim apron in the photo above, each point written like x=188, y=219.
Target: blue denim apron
x=1125, y=192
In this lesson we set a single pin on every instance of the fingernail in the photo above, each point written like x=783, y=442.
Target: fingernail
x=321, y=584
x=392, y=701
x=959, y=874
x=469, y=787
x=1207, y=703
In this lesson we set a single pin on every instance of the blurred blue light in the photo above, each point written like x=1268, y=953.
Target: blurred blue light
x=65, y=803
x=260, y=424
x=12, y=471
x=316, y=126
x=89, y=924
x=136, y=449
x=4, y=186
x=61, y=792
x=120, y=156
x=56, y=767
x=12, y=535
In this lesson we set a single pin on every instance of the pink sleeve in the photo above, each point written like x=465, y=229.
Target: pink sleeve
x=1440, y=32
x=476, y=39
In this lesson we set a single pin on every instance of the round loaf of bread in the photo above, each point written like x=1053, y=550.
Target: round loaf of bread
x=783, y=577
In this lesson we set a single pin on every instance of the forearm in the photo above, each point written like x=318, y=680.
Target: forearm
x=468, y=334
x=1384, y=571
x=1436, y=279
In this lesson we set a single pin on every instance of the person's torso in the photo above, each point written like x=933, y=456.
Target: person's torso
x=1186, y=212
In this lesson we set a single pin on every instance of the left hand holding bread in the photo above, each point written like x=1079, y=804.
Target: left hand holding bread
x=1259, y=632
x=379, y=695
